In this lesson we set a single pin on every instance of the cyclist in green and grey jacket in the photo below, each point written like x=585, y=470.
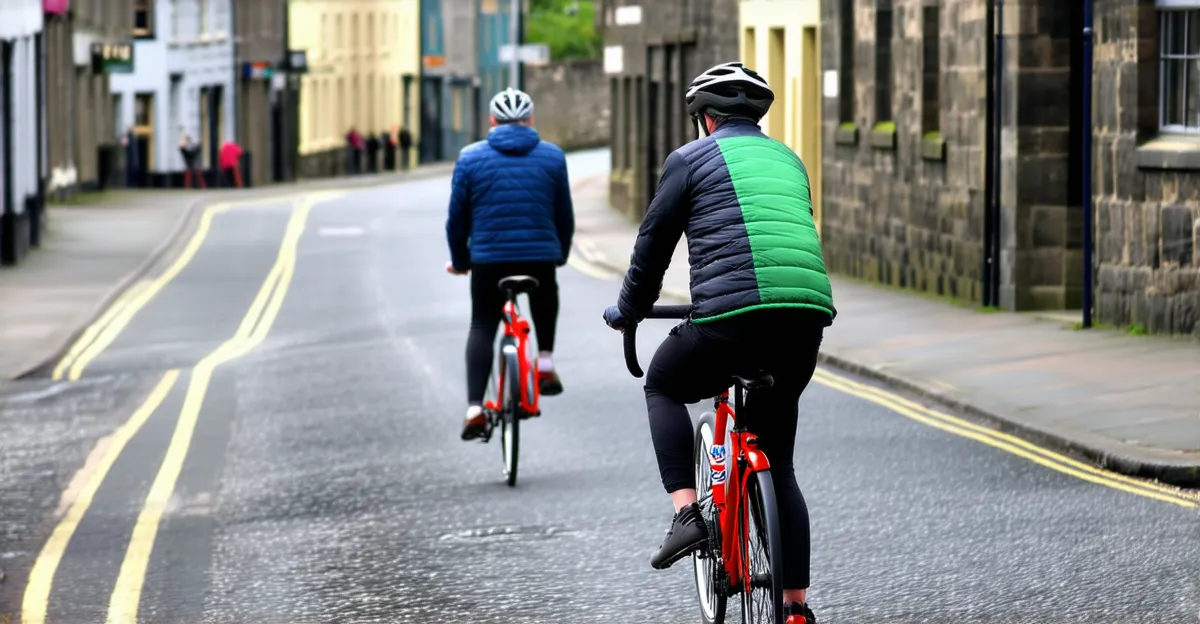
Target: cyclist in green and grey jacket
x=760, y=295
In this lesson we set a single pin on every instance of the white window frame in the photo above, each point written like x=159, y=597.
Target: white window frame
x=1165, y=9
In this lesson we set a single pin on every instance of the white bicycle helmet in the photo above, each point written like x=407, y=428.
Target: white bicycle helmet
x=729, y=90
x=511, y=105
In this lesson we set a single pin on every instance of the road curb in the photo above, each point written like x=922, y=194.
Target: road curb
x=41, y=365
x=1110, y=455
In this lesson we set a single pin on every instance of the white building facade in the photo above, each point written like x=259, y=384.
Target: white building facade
x=22, y=126
x=183, y=81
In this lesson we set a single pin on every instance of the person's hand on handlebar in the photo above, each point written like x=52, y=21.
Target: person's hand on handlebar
x=614, y=318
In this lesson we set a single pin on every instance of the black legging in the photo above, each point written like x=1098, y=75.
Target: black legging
x=696, y=362
x=487, y=308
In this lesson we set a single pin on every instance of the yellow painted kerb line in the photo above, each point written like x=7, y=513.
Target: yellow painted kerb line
x=126, y=595
x=107, y=328
x=1008, y=443
x=101, y=334
x=41, y=578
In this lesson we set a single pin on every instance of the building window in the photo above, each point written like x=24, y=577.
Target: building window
x=932, y=70
x=202, y=27
x=1179, y=41
x=883, y=60
x=846, y=84
x=337, y=36
x=143, y=18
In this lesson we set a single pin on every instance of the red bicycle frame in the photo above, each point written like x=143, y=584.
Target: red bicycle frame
x=729, y=482
x=518, y=328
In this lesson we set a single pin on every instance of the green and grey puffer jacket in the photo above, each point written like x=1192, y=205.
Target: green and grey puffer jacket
x=743, y=200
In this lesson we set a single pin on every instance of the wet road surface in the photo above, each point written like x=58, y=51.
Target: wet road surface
x=287, y=409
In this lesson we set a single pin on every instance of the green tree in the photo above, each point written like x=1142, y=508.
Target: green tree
x=567, y=26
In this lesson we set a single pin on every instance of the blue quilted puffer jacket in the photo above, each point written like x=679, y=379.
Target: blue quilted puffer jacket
x=510, y=201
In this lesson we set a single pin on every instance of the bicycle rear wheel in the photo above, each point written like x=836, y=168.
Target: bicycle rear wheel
x=710, y=577
x=510, y=417
x=762, y=551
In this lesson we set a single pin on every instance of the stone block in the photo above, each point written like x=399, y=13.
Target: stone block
x=1049, y=226
x=1177, y=225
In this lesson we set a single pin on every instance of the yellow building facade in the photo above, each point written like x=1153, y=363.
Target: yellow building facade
x=364, y=59
x=781, y=39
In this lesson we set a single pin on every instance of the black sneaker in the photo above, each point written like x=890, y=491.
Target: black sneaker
x=686, y=535
x=549, y=383
x=475, y=425
x=799, y=613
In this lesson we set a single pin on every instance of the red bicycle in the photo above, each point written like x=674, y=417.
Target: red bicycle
x=744, y=554
x=514, y=393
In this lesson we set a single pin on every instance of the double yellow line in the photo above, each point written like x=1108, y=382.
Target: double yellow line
x=1008, y=443
x=255, y=325
x=99, y=335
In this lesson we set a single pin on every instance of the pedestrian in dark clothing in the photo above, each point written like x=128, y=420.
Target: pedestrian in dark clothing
x=389, y=150
x=192, y=173
x=355, y=147
x=372, y=153
x=133, y=165
x=406, y=143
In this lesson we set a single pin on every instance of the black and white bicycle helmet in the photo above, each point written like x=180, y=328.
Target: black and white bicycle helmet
x=730, y=90
x=512, y=105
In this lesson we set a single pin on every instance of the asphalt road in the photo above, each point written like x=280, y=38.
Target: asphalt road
x=315, y=474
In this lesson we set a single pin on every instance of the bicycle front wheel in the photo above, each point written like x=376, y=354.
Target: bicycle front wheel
x=762, y=553
x=510, y=418
x=711, y=585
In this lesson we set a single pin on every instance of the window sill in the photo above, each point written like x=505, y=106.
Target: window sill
x=933, y=147
x=846, y=134
x=883, y=136
x=1169, y=153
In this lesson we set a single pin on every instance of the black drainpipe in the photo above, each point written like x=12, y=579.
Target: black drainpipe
x=35, y=216
x=1088, y=280
x=990, y=266
x=7, y=231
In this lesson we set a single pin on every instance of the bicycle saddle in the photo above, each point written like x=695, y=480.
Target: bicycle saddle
x=518, y=284
x=755, y=379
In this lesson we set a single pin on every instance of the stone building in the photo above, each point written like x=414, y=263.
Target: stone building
x=363, y=63
x=450, y=86
x=1147, y=164
x=652, y=52
x=780, y=40
x=266, y=107
x=182, y=82
x=85, y=41
x=22, y=128
x=934, y=180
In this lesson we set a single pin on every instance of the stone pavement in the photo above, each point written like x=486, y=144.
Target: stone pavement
x=1129, y=403
x=91, y=253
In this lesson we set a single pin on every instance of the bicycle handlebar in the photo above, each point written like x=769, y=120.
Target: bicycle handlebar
x=657, y=312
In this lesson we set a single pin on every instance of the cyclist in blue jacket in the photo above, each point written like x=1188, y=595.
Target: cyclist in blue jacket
x=510, y=214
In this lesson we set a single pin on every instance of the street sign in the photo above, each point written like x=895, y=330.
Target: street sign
x=614, y=59
x=528, y=53
x=257, y=70
x=298, y=61
x=112, y=58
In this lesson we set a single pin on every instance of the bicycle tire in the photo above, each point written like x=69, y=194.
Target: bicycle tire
x=711, y=590
x=763, y=515
x=510, y=419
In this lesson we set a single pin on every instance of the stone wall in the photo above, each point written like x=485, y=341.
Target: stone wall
x=1041, y=255
x=1147, y=188
x=897, y=208
x=572, y=102
x=673, y=43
